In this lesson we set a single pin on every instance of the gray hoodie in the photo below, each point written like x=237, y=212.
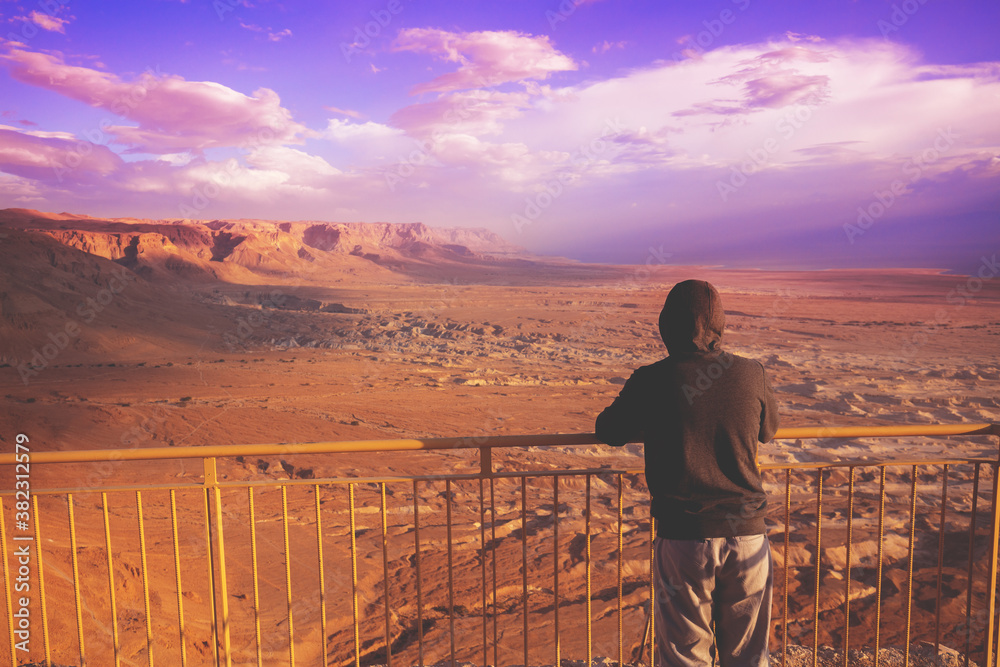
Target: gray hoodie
x=700, y=414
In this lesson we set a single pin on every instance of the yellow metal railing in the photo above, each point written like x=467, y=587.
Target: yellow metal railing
x=252, y=558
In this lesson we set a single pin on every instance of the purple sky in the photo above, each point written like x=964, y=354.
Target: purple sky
x=737, y=131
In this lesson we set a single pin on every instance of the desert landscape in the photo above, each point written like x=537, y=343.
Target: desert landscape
x=124, y=333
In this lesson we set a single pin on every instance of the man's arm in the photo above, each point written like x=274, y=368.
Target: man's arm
x=768, y=412
x=621, y=422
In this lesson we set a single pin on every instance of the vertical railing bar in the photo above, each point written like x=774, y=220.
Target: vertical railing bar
x=847, y=586
x=621, y=546
x=993, y=559
x=6, y=584
x=111, y=579
x=555, y=564
x=493, y=561
x=41, y=581
x=909, y=568
x=416, y=558
x=493, y=537
x=322, y=571
x=878, y=575
x=972, y=544
x=996, y=536
x=255, y=576
x=524, y=562
x=354, y=577
x=482, y=561
x=992, y=593
x=785, y=568
x=145, y=578
x=451, y=569
x=76, y=579
x=219, y=590
x=819, y=553
x=210, y=550
x=223, y=583
x=288, y=568
x=590, y=629
x=941, y=531
x=177, y=575
x=385, y=576
x=486, y=470
x=651, y=625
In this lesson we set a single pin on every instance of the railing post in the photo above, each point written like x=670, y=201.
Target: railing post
x=486, y=461
x=220, y=598
x=994, y=534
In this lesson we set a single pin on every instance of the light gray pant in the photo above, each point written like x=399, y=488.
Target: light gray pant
x=720, y=579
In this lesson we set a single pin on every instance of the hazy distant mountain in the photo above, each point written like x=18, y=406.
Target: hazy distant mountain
x=252, y=251
x=73, y=286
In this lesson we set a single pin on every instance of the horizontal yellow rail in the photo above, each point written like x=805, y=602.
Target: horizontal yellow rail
x=469, y=442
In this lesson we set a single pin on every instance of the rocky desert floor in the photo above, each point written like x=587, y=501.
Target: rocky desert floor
x=472, y=353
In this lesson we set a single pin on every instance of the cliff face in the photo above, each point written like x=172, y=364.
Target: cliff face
x=74, y=287
x=59, y=303
x=254, y=250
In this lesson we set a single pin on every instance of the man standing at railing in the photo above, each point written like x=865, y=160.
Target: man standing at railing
x=700, y=414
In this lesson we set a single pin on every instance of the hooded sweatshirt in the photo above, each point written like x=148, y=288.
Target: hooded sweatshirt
x=700, y=414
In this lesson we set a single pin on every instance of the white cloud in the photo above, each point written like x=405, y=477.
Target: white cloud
x=351, y=113
x=606, y=46
x=486, y=58
x=299, y=165
x=54, y=157
x=173, y=115
x=20, y=190
x=176, y=159
x=49, y=22
x=343, y=130
x=475, y=112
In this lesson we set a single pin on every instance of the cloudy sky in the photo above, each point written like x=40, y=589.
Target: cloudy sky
x=748, y=132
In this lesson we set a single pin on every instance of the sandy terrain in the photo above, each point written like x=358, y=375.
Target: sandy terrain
x=433, y=340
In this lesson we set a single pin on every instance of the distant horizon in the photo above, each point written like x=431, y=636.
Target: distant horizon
x=742, y=132
x=662, y=260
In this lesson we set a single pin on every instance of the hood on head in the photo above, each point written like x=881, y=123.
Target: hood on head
x=692, y=319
